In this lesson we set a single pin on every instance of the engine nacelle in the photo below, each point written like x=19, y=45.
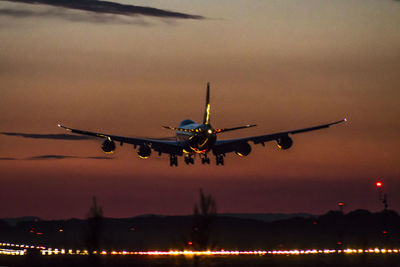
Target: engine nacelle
x=144, y=151
x=284, y=142
x=108, y=146
x=243, y=149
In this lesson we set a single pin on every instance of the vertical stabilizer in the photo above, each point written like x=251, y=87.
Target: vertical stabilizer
x=206, y=119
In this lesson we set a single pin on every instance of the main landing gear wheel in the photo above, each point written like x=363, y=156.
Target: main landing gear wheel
x=220, y=160
x=173, y=160
x=189, y=159
x=205, y=160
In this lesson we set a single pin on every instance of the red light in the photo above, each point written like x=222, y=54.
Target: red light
x=379, y=184
x=61, y=230
x=132, y=229
x=341, y=204
x=190, y=243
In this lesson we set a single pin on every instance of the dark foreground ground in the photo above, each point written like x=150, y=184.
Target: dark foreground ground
x=356, y=229
x=381, y=260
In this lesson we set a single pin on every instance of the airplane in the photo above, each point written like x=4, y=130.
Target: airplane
x=198, y=139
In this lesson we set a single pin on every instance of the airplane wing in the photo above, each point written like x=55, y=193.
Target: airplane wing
x=160, y=146
x=283, y=139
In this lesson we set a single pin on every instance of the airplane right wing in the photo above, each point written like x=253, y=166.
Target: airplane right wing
x=282, y=138
x=160, y=146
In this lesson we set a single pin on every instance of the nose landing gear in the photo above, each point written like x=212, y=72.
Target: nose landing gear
x=189, y=159
x=205, y=160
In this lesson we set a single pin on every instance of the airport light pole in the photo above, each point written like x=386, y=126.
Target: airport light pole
x=341, y=206
x=383, y=198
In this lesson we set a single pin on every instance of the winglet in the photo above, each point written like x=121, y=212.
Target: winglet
x=336, y=122
x=206, y=119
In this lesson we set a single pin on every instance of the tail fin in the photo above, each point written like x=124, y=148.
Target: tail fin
x=206, y=119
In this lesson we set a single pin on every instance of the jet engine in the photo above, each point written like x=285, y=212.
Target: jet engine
x=108, y=146
x=243, y=149
x=284, y=142
x=144, y=151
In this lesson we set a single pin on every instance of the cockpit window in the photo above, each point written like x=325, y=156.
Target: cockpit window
x=186, y=122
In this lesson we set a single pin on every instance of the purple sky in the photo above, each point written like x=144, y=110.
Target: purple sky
x=282, y=65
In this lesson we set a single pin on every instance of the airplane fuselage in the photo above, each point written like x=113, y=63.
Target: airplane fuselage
x=200, y=139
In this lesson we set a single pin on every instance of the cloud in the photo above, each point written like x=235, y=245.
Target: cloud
x=51, y=157
x=49, y=136
x=15, y=12
x=97, y=158
x=94, y=6
x=44, y=157
x=72, y=16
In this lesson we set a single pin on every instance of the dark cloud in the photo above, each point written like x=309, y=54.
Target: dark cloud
x=98, y=158
x=99, y=7
x=15, y=12
x=49, y=136
x=44, y=157
x=72, y=16
x=51, y=157
x=8, y=159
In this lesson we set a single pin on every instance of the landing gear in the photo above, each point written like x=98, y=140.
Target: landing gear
x=189, y=159
x=220, y=159
x=205, y=160
x=173, y=160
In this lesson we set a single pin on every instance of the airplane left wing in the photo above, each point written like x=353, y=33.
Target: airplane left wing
x=282, y=138
x=160, y=146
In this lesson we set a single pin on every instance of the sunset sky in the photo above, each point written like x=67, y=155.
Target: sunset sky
x=282, y=65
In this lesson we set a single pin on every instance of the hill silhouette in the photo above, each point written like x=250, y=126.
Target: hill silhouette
x=357, y=229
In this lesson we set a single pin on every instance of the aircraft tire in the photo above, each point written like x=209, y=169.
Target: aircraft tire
x=220, y=160
x=173, y=160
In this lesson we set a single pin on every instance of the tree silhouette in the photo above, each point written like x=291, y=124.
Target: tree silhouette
x=204, y=215
x=94, y=227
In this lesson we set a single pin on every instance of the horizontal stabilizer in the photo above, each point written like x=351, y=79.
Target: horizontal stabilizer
x=181, y=129
x=234, y=128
